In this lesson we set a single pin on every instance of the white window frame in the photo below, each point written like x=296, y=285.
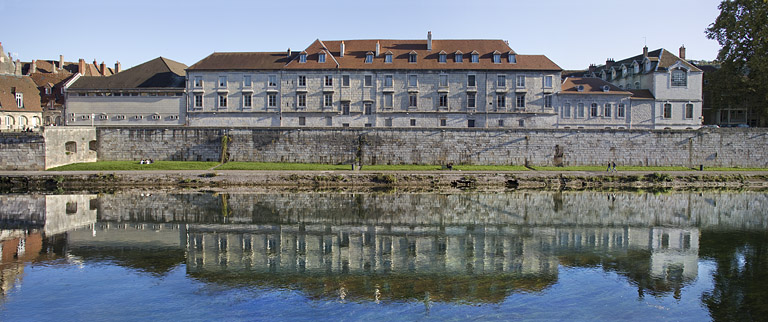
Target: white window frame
x=345, y=81
x=388, y=58
x=327, y=99
x=247, y=81
x=368, y=80
x=520, y=81
x=197, y=81
x=497, y=58
x=389, y=81
x=594, y=110
x=223, y=83
x=328, y=80
x=471, y=100
x=442, y=99
x=20, y=100
x=413, y=100
x=198, y=101
x=548, y=81
x=321, y=58
x=566, y=111
x=271, y=100
x=688, y=107
x=222, y=101
x=301, y=100
x=442, y=58
x=607, y=110
x=580, y=113
x=368, y=58
x=389, y=100
x=475, y=58
x=501, y=100
x=621, y=110
x=247, y=100
x=301, y=81
x=501, y=80
x=473, y=82
x=302, y=58
x=520, y=101
x=547, y=100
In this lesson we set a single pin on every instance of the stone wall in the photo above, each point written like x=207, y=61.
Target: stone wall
x=52, y=147
x=708, y=147
x=22, y=151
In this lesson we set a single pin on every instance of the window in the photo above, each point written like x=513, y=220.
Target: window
x=413, y=122
x=223, y=81
x=501, y=81
x=470, y=123
x=471, y=100
x=301, y=100
x=345, y=108
x=272, y=80
x=321, y=58
x=103, y=117
x=548, y=101
x=388, y=100
x=512, y=58
x=388, y=81
x=271, y=100
x=521, y=123
x=501, y=100
x=443, y=100
x=475, y=58
x=443, y=122
x=520, y=81
x=247, y=100
x=223, y=100
x=344, y=81
x=679, y=78
x=441, y=58
x=471, y=81
x=302, y=120
x=501, y=123
x=20, y=100
x=667, y=111
x=637, y=85
x=388, y=122
x=620, y=111
x=548, y=81
x=412, y=58
x=367, y=108
x=368, y=80
x=520, y=101
x=368, y=58
x=198, y=81
x=155, y=117
x=247, y=81
x=413, y=80
x=328, y=100
x=689, y=111
x=459, y=58
x=329, y=80
x=120, y=117
x=443, y=80
x=607, y=110
x=593, y=110
x=497, y=58
x=580, y=110
x=566, y=112
x=388, y=58
x=412, y=100
x=302, y=82
x=303, y=58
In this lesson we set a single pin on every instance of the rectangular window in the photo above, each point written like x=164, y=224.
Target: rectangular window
x=413, y=80
x=247, y=81
x=470, y=123
x=444, y=80
x=566, y=112
x=198, y=81
x=441, y=58
x=679, y=78
x=388, y=81
x=501, y=100
x=412, y=58
x=471, y=100
x=496, y=58
x=593, y=110
x=271, y=100
x=620, y=111
x=388, y=122
x=471, y=81
x=689, y=111
x=443, y=100
x=272, y=80
x=475, y=58
x=458, y=58
x=344, y=81
x=302, y=82
x=222, y=100
x=247, y=100
x=20, y=100
x=388, y=58
x=368, y=58
x=321, y=58
x=501, y=81
x=329, y=80
x=367, y=108
x=548, y=101
x=413, y=122
x=501, y=123
x=328, y=100
x=443, y=122
x=520, y=101
x=223, y=81
x=303, y=58
x=388, y=100
x=667, y=111
x=580, y=110
x=547, y=81
x=520, y=81
x=345, y=108
x=301, y=100
x=607, y=110
x=198, y=100
x=302, y=120
x=368, y=80
x=412, y=100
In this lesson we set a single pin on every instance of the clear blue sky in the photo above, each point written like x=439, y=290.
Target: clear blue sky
x=573, y=33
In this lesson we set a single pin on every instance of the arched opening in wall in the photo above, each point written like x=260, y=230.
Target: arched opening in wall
x=71, y=208
x=70, y=147
x=23, y=122
x=35, y=122
x=48, y=120
x=93, y=145
x=9, y=122
x=58, y=120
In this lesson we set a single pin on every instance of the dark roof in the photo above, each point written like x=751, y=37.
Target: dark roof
x=243, y=61
x=24, y=85
x=590, y=85
x=641, y=94
x=660, y=59
x=157, y=73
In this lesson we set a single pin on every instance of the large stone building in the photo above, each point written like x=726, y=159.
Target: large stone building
x=148, y=94
x=19, y=99
x=376, y=83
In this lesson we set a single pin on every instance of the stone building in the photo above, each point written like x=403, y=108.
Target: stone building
x=19, y=103
x=376, y=83
x=674, y=85
x=148, y=94
x=587, y=102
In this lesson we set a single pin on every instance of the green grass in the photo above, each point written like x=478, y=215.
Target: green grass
x=604, y=167
x=490, y=168
x=401, y=167
x=283, y=166
x=735, y=169
x=134, y=165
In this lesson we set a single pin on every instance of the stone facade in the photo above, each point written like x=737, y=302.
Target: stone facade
x=720, y=147
x=22, y=151
x=51, y=147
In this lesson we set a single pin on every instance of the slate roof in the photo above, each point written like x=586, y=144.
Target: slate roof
x=590, y=85
x=157, y=73
x=24, y=85
x=661, y=59
x=244, y=61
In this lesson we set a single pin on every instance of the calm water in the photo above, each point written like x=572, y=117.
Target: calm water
x=384, y=256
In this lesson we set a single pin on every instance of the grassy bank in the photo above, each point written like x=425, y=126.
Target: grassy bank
x=135, y=165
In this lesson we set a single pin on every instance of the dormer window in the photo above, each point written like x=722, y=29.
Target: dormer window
x=369, y=58
x=20, y=100
x=321, y=58
x=512, y=58
x=442, y=57
x=679, y=77
x=475, y=58
x=637, y=68
x=303, y=58
x=497, y=58
x=458, y=57
x=388, y=58
x=412, y=57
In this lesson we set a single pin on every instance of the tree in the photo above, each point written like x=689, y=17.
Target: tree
x=741, y=29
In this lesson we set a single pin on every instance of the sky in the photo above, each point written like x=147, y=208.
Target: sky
x=572, y=33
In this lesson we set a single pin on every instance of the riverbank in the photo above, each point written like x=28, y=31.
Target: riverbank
x=229, y=179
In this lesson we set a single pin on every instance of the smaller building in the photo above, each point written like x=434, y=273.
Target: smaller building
x=148, y=94
x=587, y=102
x=19, y=103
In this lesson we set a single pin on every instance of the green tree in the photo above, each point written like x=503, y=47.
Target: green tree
x=741, y=29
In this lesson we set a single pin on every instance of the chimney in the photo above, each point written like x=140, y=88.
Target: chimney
x=645, y=51
x=288, y=53
x=17, y=70
x=53, y=67
x=81, y=66
x=117, y=67
x=682, y=52
x=61, y=61
x=592, y=68
x=32, y=67
x=429, y=40
x=341, y=50
x=378, y=48
x=608, y=63
x=103, y=69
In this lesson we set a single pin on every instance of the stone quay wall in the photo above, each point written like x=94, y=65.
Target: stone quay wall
x=51, y=147
x=736, y=147
x=22, y=151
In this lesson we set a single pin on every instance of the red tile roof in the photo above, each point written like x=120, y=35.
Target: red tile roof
x=24, y=85
x=590, y=85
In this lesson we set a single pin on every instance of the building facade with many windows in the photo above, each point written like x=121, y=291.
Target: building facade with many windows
x=376, y=83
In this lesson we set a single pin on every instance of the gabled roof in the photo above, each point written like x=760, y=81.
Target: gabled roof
x=157, y=73
x=660, y=59
x=245, y=61
x=590, y=85
x=24, y=85
x=641, y=94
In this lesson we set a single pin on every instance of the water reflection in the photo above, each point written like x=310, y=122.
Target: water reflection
x=466, y=248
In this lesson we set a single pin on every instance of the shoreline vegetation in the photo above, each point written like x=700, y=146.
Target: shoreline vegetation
x=171, y=175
